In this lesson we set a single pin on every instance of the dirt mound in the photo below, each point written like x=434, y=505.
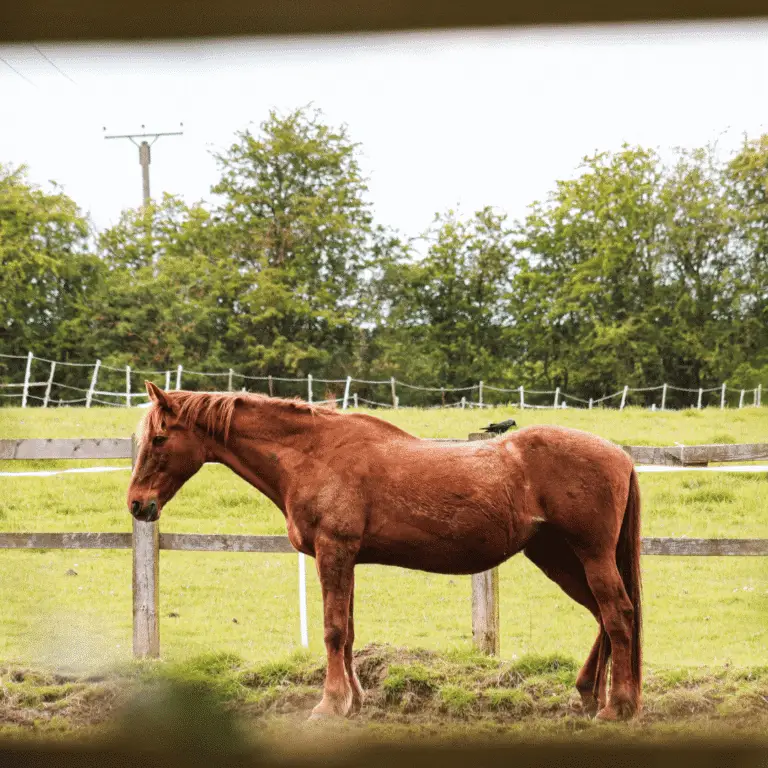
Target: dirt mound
x=404, y=688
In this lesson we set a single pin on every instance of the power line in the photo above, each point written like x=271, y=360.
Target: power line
x=23, y=77
x=54, y=65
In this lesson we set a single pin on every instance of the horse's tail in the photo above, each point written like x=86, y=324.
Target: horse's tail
x=628, y=562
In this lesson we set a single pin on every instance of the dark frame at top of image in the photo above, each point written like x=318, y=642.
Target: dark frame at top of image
x=82, y=20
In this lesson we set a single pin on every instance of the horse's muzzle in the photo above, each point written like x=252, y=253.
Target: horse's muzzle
x=147, y=514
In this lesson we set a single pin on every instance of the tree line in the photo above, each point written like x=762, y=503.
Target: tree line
x=635, y=271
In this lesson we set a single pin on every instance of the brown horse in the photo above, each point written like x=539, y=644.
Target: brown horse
x=357, y=489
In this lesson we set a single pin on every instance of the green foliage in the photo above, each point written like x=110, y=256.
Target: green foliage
x=47, y=275
x=634, y=271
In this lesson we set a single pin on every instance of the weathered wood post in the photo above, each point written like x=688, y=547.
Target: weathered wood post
x=392, y=384
x=485, y=599
x=146, y=584
x=309, y=387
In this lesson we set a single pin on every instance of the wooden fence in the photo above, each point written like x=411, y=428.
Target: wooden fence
x=146, y=541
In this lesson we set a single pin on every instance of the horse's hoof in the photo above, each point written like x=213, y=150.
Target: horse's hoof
x=316, y=716
x=611, y=713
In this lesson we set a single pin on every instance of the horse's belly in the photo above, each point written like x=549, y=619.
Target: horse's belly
x=462, y=550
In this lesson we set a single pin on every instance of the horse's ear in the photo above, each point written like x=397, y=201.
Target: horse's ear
x=156, y=395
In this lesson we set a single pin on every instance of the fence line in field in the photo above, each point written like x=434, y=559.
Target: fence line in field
x=146, y=541
x=472, y=396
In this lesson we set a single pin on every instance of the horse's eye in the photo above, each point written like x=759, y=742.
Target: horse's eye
x=159, y=439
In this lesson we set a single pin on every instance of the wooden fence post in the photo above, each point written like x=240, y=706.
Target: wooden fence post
x=345, y=401
x=229, y=380
x=480, y=394
x=485, y=611
x=146, y=584
x=485, y=598
x=395, y=400
x=128, y=386
x=522, y=398
x=663, y=397
x=271, y=386
x=167, y=381
x=722, y=397
x=698, y=402
x=309, y=387
x=179, y=369
x=28, y=371
x=557, y=396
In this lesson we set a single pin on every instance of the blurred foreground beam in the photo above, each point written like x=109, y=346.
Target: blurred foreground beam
x=71, y=20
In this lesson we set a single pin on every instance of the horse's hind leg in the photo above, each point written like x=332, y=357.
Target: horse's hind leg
x=618, y=616
x=554, y=556
x=357, y=689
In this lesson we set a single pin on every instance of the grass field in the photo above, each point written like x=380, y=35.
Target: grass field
x=72, y=608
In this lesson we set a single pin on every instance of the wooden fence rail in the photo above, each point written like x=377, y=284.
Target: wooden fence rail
x=146, y=541
x=120, y=448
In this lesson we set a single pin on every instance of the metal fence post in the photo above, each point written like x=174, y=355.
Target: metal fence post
x=146, y=584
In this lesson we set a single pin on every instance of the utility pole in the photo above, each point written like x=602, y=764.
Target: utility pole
x=144, y=153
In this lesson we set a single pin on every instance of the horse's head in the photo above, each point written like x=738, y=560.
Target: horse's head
x=169, y=453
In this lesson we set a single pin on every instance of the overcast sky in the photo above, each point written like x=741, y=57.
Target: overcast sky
x=460, y=119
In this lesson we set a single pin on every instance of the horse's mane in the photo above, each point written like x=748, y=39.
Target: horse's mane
x=214, y=411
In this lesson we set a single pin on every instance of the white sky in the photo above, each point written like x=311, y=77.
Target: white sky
x=460, y=119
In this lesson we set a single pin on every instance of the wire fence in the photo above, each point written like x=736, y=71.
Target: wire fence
x=41, y=385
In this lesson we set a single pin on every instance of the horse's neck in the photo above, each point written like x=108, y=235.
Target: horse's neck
x=258, y=449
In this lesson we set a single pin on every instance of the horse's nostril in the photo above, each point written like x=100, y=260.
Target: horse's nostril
x=152, y=507
x=135, y=508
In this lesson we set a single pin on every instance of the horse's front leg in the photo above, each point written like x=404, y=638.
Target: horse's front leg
x=335, y=560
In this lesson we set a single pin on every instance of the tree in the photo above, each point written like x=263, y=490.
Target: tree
x=47, y=274
x=584, y=300
x=298, y=228
x=446, y=320
x=747, y=192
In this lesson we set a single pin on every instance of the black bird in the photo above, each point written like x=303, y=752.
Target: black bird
x=501, y=427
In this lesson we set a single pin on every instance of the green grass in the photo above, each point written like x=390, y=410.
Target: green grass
x=698, y=611
x=219, y=701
